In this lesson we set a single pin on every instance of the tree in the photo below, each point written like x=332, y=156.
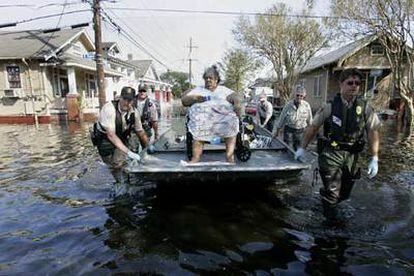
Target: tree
x=179, y=80
x=238, y=67
x=287, y=42
x=390, y=21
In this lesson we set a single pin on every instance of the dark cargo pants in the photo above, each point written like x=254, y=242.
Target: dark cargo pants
x=335, y=167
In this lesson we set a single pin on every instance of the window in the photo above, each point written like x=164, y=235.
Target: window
x=13, y=76
x=317, y=86
x=377, y=50
x=91, y=86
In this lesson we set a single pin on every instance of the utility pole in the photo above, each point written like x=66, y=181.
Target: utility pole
x=97, y=20
x=190, y=60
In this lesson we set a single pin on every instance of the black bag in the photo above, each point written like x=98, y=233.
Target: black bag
x=96, y=135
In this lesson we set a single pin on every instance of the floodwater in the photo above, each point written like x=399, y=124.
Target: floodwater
x=62, y=213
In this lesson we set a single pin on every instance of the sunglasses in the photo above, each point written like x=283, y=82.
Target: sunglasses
x=350, y=83
x=142, y=91
x=300, y=96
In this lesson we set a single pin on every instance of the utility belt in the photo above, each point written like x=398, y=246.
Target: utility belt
x=96, y=135
x=353, y=148
x=293, y=130
x=101, y=141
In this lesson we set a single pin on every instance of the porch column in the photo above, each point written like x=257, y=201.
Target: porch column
x=74, y=112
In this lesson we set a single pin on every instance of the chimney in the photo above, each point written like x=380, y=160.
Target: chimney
x=130, y=56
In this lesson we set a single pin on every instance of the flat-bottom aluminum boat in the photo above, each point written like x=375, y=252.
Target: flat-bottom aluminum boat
x=270, y=159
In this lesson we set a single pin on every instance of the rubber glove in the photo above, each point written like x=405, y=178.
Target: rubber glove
x=373, y=167
x=133, y=156
x=299, y=153
x=151, y=149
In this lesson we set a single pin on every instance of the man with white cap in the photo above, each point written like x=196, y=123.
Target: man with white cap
x=265, y=112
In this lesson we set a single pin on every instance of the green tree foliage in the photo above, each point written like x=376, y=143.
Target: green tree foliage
x=285, y=41
x=179, y=80
x=391, y=22
x=238, y=68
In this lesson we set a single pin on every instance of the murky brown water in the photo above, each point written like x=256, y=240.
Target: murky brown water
x=62, y=213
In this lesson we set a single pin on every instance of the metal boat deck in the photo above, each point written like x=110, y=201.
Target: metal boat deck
x=165, y=165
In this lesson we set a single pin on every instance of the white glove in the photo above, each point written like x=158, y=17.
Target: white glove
x=150, y=149
x=133, y=156
x=373, y=167
x=299, y=153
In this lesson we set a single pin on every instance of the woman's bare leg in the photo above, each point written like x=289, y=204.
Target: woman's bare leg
x=197, y=151
x=230, y=145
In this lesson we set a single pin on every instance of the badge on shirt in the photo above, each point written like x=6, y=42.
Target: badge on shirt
x=337, y=121
x=358, y=110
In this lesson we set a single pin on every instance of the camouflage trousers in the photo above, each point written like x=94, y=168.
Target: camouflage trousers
x=337, y=173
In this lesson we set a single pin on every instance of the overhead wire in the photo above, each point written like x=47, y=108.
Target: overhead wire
x=45, y=17
x=136, y=34
x=53, y=33
x=132, y=39
x=232, y=13
x=166, y=34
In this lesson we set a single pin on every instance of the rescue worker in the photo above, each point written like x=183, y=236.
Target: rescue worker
x=296, y=115
x=345, y=120
x=265, y=113
x=148, y=113
x=116, y=121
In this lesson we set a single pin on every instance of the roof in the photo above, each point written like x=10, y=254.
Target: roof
x=106, y=46
x=72, y=60
x=337, y=55
x=142, y=65
x=34, y=43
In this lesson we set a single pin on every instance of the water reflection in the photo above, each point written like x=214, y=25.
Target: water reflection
x=62, y=212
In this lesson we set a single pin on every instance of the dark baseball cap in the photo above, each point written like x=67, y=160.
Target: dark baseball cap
x=128, y=93
x=142, y=88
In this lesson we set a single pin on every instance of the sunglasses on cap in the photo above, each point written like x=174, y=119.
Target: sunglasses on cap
x=350, y=83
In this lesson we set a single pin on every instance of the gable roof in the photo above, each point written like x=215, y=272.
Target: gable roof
x=142, y=65
x=107, y=46
x=339, y=55
x=35, y=43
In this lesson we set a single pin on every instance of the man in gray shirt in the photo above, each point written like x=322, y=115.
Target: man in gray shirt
x=295, y=117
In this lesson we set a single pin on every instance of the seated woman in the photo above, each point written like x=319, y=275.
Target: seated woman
x=214, y=112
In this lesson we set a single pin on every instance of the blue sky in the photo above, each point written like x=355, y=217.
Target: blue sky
x=165, y=35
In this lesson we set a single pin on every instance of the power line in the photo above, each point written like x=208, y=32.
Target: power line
x=132, y=39
x=232, y=13
x=41, y=17
x=133, y=32
x=166, y=34
x=53, y=33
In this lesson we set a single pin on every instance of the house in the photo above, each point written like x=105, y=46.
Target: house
x=260, y=86
x=320, y=75
x=43, y=74
x=46, y=75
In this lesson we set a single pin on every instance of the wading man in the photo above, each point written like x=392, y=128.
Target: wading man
x=117, y=120
x=148, y=113
x=346, y=119
x=296, y=115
